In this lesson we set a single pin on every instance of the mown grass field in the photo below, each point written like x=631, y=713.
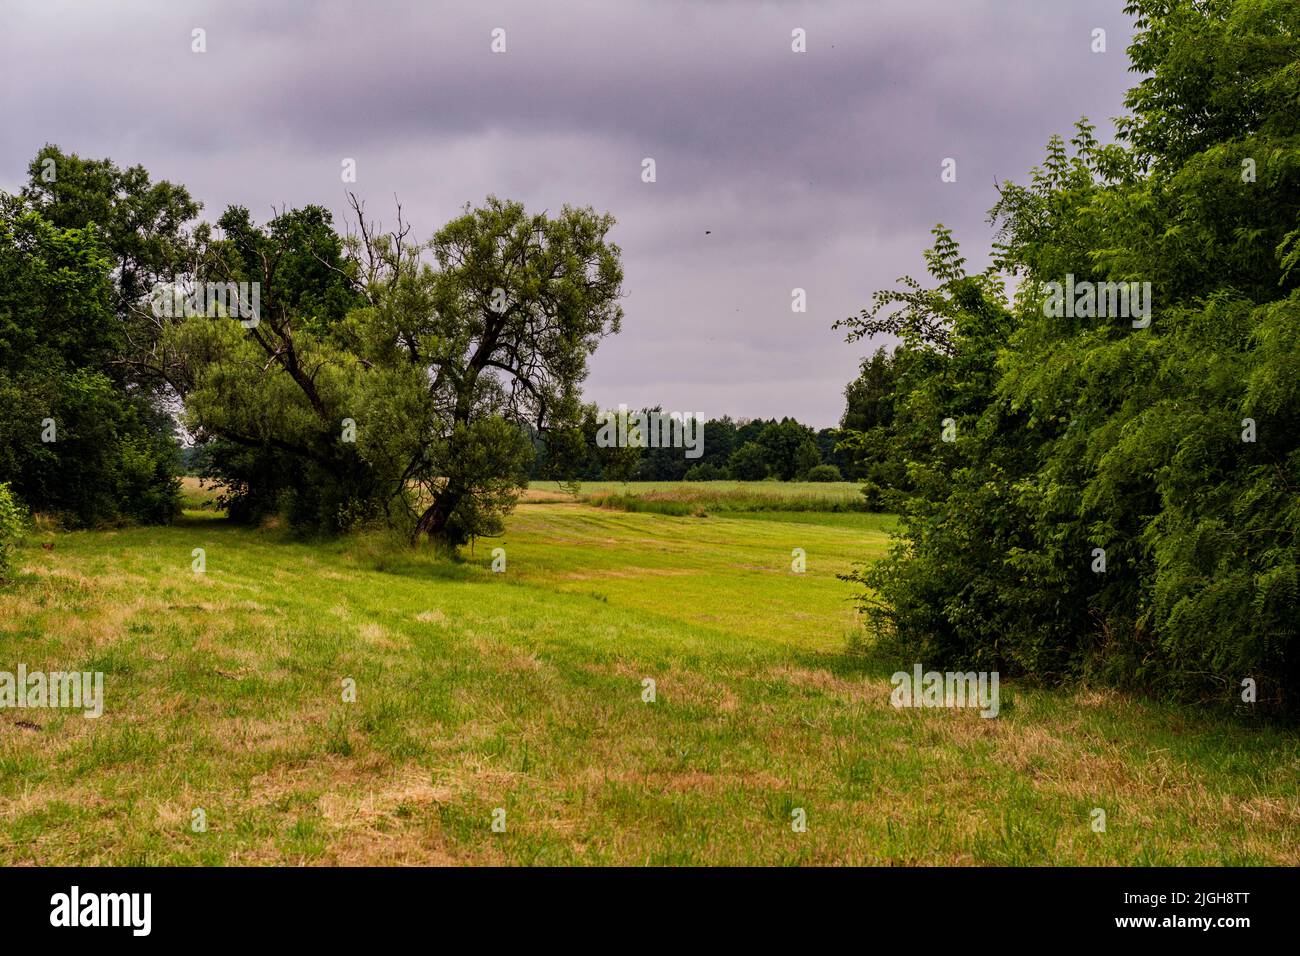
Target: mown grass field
x=524, y=691
x=698, y=498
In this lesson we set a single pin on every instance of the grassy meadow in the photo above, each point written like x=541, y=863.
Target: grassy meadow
x=701, y=498
x=523, y=691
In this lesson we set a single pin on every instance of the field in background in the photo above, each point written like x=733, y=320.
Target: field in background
x=198, y=494
x=523, y=691
x=681, y=498
x=706, y=497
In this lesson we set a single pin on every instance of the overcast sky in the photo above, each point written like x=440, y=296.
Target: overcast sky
x=775, y=169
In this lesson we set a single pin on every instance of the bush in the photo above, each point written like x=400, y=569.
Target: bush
x=871, y=494
x=705, y=471
x=13, y=524
x=1100, y=505
x=749, y=463
x=824, y=473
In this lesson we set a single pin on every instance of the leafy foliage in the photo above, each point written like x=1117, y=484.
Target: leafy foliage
x=824, y=473
x=76, y=439
x=392, y=380
x=13, y=525
x=1175, y=449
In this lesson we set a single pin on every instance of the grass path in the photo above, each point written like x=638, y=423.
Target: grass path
x=523, y=691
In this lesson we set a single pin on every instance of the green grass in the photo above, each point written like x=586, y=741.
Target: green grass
x=696, y=498
x=523, y=691
x=198, y=495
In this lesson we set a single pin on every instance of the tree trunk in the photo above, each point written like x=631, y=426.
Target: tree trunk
x=433, y=523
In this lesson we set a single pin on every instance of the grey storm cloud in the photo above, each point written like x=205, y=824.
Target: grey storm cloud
x=817, y=170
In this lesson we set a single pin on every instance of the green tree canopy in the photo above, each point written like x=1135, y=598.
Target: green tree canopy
x=395, y=377
x=1117, y=499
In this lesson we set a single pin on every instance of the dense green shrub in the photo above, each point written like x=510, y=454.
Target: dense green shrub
x=13, y=525
x=75, y=441
x=748, y=463
x=1091, y=497
x=824, y=473
x=705, y=471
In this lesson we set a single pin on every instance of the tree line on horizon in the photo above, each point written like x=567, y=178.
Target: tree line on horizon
x=744, y=449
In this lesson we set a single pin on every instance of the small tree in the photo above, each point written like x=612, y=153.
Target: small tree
x=788, y=445
x=749, y=463
x=806, y=458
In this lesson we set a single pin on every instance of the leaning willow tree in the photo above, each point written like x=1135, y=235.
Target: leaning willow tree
x=387, y=378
